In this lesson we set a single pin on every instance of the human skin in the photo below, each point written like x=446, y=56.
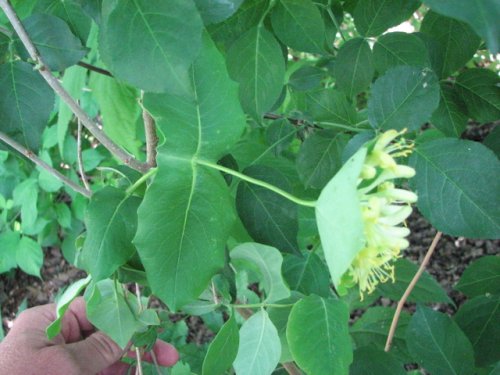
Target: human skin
x=77, y=350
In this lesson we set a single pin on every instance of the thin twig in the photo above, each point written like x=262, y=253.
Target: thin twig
x=214, y=294
x=138, y=368
x=94, y=68
x=409, y=289
x=6, y=32
x=116, y=150
x=291, y=368
x=155, y=361
x=79, y=156
x=35, y=159
x=151, y=138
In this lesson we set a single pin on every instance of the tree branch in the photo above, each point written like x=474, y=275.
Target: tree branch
x=151, y=138
x=79, y=157
x=35, y=159
x=94, y=68
x=57, y=87
x=408, y=291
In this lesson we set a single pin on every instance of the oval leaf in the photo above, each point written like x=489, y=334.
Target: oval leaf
x=449, y=118
x=29, y=256
x=223, y=349
x=481, y=277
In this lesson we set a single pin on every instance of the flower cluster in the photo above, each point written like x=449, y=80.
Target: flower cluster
x=384, y=208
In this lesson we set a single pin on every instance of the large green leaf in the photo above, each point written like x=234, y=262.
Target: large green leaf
x=260, y=348
x=320, y=157
x=426, y=290
x=256, y=61
x=449, y=117
x=306, y=78
x=70, y=11
x=399, y=48
x=437, y=343
x=481, y=277
x=25, y=103
x=55, y=42
x=457, y=42
x=318, y=329
x=456, y=188
x=492, y=141
x=405, y=97
x=338, y=215
x=307, y=274
x=111, y=221
x=299, y=25
x=268, y=217
x=109, y=311
x=187, y=205
x=353, y=69
x=119, y=110
x=373, y=17
x=481, y=15
x=214, y=11
x=268, y=262
x=29, y=256
x=141, y=43
x=223, y=349
x=480, y=91
x=373, y=327
x=479, y=318
x=372, y=361
x=9, y=242
x=25, y=195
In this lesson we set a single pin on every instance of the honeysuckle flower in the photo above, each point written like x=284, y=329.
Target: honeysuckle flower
x=384, y=211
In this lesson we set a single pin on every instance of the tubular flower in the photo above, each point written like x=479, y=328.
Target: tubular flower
x=384, y=209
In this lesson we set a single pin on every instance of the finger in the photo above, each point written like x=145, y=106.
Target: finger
x=75, y=324
x=166, y=355
x=96, y=353
x=119, y=368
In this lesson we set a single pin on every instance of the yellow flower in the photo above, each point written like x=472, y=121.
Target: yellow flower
x=384, y=211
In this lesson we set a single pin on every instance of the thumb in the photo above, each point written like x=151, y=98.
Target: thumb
x=96, y=353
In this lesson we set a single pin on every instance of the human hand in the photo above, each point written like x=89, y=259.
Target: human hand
x=77, y=350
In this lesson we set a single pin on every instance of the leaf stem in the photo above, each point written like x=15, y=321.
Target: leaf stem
x=115, y=149
x=150, y=132
x=261, y=305
x=257, y=182
x=35, y=159
x=79, y=156
x=140, y=181
x=408, y=291
x=94, y=68
x=6, y=32
x=341, y=126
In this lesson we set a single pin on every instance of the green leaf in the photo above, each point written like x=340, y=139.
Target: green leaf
x=373, y=17
x=268, y=217
x=437, y=343
x=449, y=117
x=306, y=78
x=399, y=48
x=262, y=75
x=108, y=310
x=207, y=123
x=479, y=89
x=318, y=328
x=479, y=318
x=405, y=97
x=328, y=105
x=373, y=327
x=320, y=157
x=449, y=172
x=481, y=15
x=111, y=222
x=63, y=215
x=26, y=195
x=280, y=134
x=119, y=110
x=215, y=11
x=223, y=349
x=9, y=242
x=54, y=40
x=25, y=103
x=71, y=12
x=492, y=141
x=338, y=215
x=457, y=42
x=426, y=290
x=307, y=274
x=260, y=348
x=29, y=256
x=481, y=277
x=369, y=360
x=268, y=261
x=299, y=25
x=140, y=42
x=353, y=69
x=65, y=300
x=188, y=206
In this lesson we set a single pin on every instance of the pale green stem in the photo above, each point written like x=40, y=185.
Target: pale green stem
x=140, y=181
x=341, y=126
x=257, y=182
x=261, y=305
